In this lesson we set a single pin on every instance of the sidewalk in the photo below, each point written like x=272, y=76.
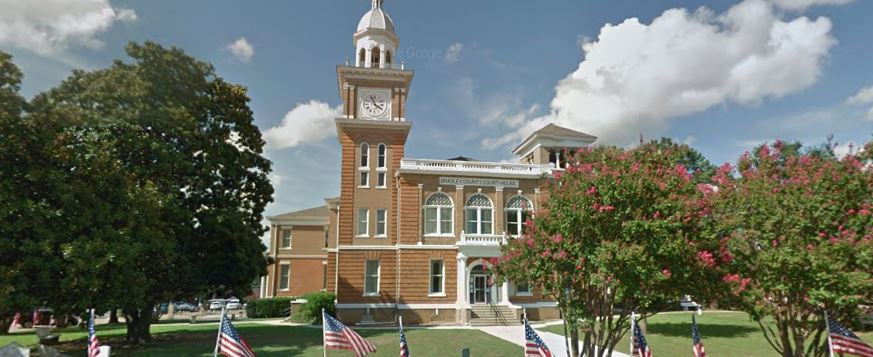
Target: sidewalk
x=515, y=335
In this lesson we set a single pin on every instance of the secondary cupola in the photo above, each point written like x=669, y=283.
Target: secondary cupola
x=375, y=41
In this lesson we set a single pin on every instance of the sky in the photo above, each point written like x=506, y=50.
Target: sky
x=722, y=76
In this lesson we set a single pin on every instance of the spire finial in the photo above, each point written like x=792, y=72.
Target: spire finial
x=377, y=4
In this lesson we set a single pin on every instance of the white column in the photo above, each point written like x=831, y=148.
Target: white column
x=462, y=279
x=504, y=293
x=381, y=57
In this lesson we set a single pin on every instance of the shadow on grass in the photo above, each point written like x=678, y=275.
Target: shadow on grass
x=677, y=329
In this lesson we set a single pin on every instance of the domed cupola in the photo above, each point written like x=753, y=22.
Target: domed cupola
x=375, y=40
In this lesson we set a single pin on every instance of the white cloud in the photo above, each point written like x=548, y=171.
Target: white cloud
x=308, y=122
x=636, y=77
x=864, y=96
x=841, y=150
x=453, y=54
x=241, y=49
x=276, y=179
x=47, y=27
x=804, y=4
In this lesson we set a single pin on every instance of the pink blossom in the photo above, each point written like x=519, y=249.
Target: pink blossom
x=562, y=255
x=667, y=274
x=592, y=190
x=606, y=208
x=557, y=238
x=864, y=212
x=657, y=215
x=731, y=278
x=529, y=223
x=546, y=253
x=530, y=242
x=557, y=175
x=707, y=259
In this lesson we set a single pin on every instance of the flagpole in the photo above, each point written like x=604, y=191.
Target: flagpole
x=323, y=341
x=828, y=326
x=633, y=331
x=218, y=336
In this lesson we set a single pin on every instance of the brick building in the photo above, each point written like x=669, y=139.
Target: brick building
x=411, y=237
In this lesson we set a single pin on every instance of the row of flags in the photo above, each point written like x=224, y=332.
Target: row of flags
x=338, y=336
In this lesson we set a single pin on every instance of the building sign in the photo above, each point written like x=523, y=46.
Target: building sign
x=466, y=181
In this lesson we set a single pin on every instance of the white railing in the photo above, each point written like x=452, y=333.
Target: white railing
x=482, y=239
x=474, y=166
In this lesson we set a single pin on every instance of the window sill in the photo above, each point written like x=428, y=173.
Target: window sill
x=382, y=187
x=436, y=295
x=382, y=236
x=363, y=186
x=370, y=294
x=524, y=294
x=439, y=236
x=362, y=236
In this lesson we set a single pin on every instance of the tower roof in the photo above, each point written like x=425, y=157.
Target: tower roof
x=376, y=19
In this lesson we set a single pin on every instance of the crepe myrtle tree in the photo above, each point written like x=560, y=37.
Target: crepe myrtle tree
x=619, y=232
x=797, y=240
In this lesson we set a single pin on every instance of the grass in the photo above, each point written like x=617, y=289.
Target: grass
x=269, y=340
x=724, y=334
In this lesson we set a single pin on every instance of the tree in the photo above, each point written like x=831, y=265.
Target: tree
x=619, y=232
x=177, y=214
x=797, y=241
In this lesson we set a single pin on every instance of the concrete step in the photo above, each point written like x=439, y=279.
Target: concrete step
x=492, y=322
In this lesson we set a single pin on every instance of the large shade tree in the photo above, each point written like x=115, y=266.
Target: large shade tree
x=190, y=169
x=796, y=241
x=619, y=232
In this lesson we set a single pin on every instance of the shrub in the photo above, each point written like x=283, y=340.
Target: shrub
x=269, y=307
x=315, y=302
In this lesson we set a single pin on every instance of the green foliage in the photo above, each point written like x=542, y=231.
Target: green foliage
x=796, y=240
x=138, y=183
x=619, y=228
x=269, y=307
x=315, y=302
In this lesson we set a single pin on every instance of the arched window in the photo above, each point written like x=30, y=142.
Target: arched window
x=381, y=170
x=388, y=58
x=375, y=57
x=438, y=214
x=479, y=214
x=362, y=58
x=364, y=169
x=365, y=155
x=517, y=212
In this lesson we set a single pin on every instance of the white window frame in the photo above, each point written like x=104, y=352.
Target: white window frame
x=479, y=214
x=430, y=276
x=439, y=228
x=364, y=170
x=383, y=224
x=529, y=291
x=518, y=211
x=378, y=277
x=365, y=214
x=382, y=166
x=282, y=239
x=287, y=280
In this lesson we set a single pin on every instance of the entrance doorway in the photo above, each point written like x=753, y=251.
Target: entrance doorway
x=480, y=291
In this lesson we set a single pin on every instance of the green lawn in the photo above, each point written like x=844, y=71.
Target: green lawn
x=268, y=340
x=724, y=334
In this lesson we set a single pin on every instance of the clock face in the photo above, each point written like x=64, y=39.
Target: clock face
x=375, y=105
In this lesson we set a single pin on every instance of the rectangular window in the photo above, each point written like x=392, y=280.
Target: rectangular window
x=324, y=277
x=371, y=277
x=363, y=221
x=365, y=179
x=380, y=222
x=446, y=220
x=436, y=276
x=512, y=221
x=430, y=220
x=382, y=150
x=486, y=221
x=522, y=288
x=286, y=238
x=284, y=277
x=472, y=226
x=381, y=178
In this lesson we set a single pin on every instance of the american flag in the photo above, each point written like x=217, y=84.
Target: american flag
x=93, y=342
x=534, y=345
x=641, y=347
x=404, y=347
x=844, y=341
x=339, y=337
x=230, y=343
x=695, y=335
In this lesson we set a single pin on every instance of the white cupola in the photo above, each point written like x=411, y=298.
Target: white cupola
x=375, y=40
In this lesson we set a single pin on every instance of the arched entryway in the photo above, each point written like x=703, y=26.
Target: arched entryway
x=482, y=287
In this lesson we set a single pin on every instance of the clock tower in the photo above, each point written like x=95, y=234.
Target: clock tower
x=372, y=131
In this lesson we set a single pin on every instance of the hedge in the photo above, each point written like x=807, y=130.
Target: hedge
x=315, y=302
x=269, y=307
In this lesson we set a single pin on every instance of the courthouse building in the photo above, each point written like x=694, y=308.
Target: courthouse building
x=408, y=236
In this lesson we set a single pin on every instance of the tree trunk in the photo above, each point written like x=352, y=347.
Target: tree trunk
x=574, y=340
x=5, y=323
x=113, y=316
x=138, y=321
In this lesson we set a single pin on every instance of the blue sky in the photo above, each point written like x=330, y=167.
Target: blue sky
x=721, y=75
